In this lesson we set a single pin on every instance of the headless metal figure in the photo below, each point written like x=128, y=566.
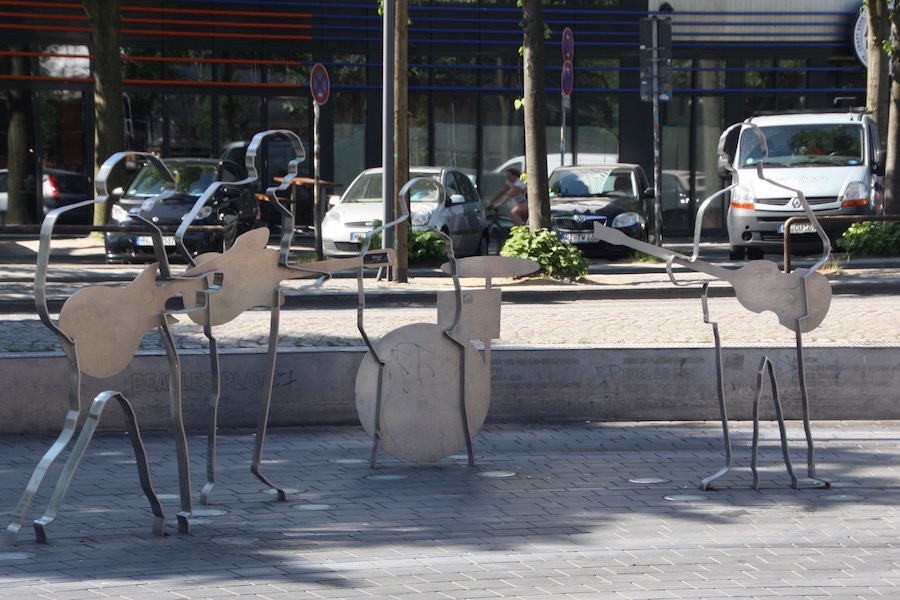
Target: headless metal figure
x=800, y=300
x=99, y=329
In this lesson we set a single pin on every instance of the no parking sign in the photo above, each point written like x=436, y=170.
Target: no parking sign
x=319, y=84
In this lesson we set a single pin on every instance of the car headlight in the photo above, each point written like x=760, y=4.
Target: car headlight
x=629, y=219
x=742, y=197
x=855, y=191
x=119, y=214
x=204, y=213
x=420, y=219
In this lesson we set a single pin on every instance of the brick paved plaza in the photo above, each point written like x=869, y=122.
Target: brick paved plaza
x=578, y=510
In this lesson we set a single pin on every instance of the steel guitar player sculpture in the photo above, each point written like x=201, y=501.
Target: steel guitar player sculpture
x=799, y=299
x=101, y=327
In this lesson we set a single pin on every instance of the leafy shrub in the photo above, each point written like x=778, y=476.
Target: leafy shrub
x=557, y=258
x=424, y=246
x=376, y=238
x=871, y=238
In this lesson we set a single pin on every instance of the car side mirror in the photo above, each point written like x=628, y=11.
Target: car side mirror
x=333, y=200
x=115, y=195
x=649, y=193
x=880, y=160
x=723, y=168
x=456, y=199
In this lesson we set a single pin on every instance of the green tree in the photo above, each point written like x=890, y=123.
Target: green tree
x=105, y=17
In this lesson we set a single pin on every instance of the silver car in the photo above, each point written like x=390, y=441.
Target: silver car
x=460, y=214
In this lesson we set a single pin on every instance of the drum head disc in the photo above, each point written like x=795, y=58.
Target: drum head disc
x=420, y=406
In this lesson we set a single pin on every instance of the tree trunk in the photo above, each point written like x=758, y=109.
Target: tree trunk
x=401, y=132
x=878, y=78
x=17, y=144
x=891, y=181
x=535, y=116
x=109, y=132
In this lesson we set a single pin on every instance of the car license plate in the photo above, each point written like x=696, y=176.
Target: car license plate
x=798, y=228
x=146, y=240
x=577, y=238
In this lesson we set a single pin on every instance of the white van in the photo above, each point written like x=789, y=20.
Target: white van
x=834, y=158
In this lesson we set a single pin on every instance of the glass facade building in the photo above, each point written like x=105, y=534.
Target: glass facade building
x=201, y=74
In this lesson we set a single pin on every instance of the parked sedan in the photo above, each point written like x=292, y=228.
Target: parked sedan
x=58, y=188
x=616, y=195
x=61, y=188
x=234, y=207
x=460, y=214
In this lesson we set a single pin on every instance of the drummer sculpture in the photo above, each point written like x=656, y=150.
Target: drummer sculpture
x=423, y=390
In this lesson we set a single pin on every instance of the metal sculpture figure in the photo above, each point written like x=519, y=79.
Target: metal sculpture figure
x=799, y=299
x=423, y=389
x=101, y=344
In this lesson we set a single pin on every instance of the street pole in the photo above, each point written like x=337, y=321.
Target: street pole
x=657, y=158
x=387, y=123
x=318, y=209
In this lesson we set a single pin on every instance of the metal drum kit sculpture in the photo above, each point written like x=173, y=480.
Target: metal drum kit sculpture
x=799, y=299
x=406, y=378
x=446, y=392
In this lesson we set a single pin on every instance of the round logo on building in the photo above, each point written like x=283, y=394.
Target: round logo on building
x=861, y=37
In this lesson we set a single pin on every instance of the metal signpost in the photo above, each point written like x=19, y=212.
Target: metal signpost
x=656, y=87
x=320, y=86
x=567, y=81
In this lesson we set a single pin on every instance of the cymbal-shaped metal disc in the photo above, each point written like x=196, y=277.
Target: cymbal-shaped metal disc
x=420, y=407
x=492, y=266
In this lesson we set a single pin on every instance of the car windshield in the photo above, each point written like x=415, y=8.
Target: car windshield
x=804, y=146
x=367, y=188
x=586, y=183
x=191, y=179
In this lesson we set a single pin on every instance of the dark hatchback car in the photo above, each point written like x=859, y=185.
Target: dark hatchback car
x=232, y=207
x=61, y=188
x=616, y=195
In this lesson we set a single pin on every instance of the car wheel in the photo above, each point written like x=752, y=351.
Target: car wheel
x=230, y=233
x=484, y=244
x=736, y=252
x=755, y=254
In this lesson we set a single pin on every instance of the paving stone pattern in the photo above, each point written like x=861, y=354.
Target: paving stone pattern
x=596, y=510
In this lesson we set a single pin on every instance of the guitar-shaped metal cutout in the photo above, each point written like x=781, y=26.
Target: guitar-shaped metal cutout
x=759, y=285
x=107, y=324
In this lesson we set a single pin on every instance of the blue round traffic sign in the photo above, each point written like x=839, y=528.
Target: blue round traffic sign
x=568, y=44
x=319, y=84
x=567, y=79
